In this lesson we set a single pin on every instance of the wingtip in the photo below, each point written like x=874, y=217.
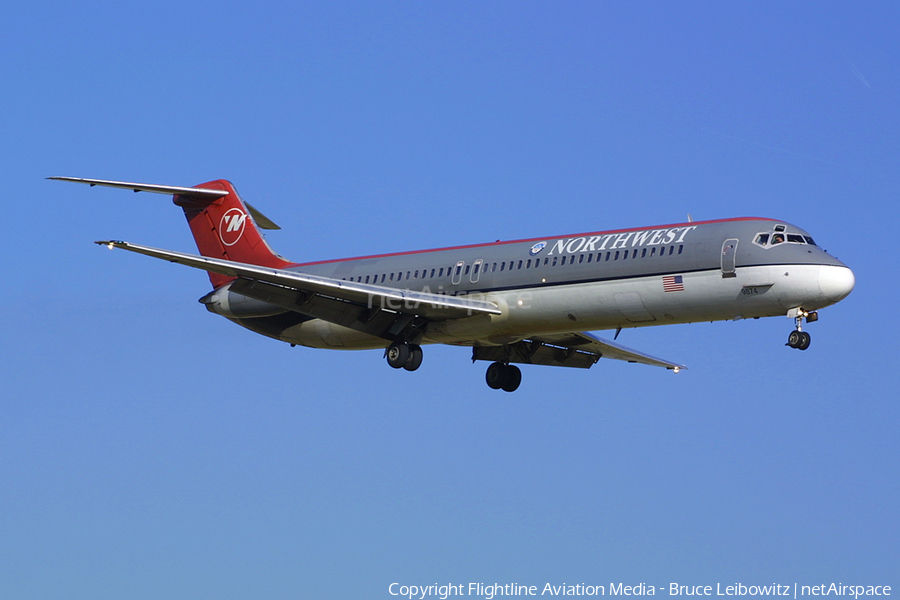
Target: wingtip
x=111, y=243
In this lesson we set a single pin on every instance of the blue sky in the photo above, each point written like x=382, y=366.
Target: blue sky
x=149, y=449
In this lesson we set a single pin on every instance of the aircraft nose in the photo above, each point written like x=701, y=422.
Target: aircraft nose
x=835, y=282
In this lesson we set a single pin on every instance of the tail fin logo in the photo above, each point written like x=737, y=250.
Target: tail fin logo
x=231, y=227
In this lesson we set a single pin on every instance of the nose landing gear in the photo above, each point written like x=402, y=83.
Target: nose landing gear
x=798, y=338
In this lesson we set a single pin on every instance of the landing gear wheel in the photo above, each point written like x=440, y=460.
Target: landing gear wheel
x=503, y=377
x=398, y=355
x=496, y=375
x=513, y=378
x=799, y=339
x=415, y=357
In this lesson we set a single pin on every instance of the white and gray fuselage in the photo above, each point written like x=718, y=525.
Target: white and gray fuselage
x=689, y=272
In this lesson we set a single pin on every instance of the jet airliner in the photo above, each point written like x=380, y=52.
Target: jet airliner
x=530, y=301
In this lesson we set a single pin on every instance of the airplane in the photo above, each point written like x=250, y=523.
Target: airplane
x=530, y=301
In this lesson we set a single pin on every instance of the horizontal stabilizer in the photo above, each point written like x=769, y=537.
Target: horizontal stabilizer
x=195, y=193
x=187, y=192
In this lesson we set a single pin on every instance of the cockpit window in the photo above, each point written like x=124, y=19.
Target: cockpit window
x=780, y=236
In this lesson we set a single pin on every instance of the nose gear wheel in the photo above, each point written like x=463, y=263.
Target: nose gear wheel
x=798, y=338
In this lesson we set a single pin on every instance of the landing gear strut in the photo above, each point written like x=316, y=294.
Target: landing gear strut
x=406, y=356
x=503, y=377
x=798, y=338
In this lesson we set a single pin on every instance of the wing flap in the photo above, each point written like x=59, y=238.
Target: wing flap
x=580, y=350
x=434, y=306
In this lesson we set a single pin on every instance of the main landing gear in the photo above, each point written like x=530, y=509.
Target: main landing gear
x=406, y=356
x=503, y=377
x=798, y=338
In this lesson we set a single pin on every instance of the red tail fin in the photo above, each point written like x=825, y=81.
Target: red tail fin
x=225, y=229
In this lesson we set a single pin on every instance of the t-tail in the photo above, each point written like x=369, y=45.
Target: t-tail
x=223, y=225
x=228, y=228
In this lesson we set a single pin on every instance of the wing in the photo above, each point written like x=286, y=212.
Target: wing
x=301, y=288
x=580, y=350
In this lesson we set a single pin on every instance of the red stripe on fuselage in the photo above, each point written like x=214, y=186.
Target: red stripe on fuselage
x=533, y=240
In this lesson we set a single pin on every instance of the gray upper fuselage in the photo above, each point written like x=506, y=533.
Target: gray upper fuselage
x=606, y=255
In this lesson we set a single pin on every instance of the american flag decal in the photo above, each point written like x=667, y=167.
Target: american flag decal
x=673, y=283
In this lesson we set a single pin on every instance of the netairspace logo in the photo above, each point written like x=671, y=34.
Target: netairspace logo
x=490, y=591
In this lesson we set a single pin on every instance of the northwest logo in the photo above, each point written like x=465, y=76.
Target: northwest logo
x=536, y=249
x=231, y=227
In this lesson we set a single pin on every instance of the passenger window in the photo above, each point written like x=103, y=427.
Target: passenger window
x=563, y=261
x=643, y=253
x=467, y=269
x=590, y=256
x=441, y=272
x=580, y=258
x=680, y=248
x=520, y=265
x=528, y=264
x=502, y=266
x=653, y=251
x=555, y=258
x=617, y=255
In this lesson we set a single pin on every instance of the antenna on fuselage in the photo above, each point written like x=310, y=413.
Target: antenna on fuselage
x=690, y=218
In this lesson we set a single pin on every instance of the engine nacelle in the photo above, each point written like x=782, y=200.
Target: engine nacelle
x=231, y=304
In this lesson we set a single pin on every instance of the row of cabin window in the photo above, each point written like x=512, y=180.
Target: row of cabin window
x=527, y=264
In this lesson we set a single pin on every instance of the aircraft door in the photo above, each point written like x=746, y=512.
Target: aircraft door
x=476, y=270
x=729, y=251
x=456, y=277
